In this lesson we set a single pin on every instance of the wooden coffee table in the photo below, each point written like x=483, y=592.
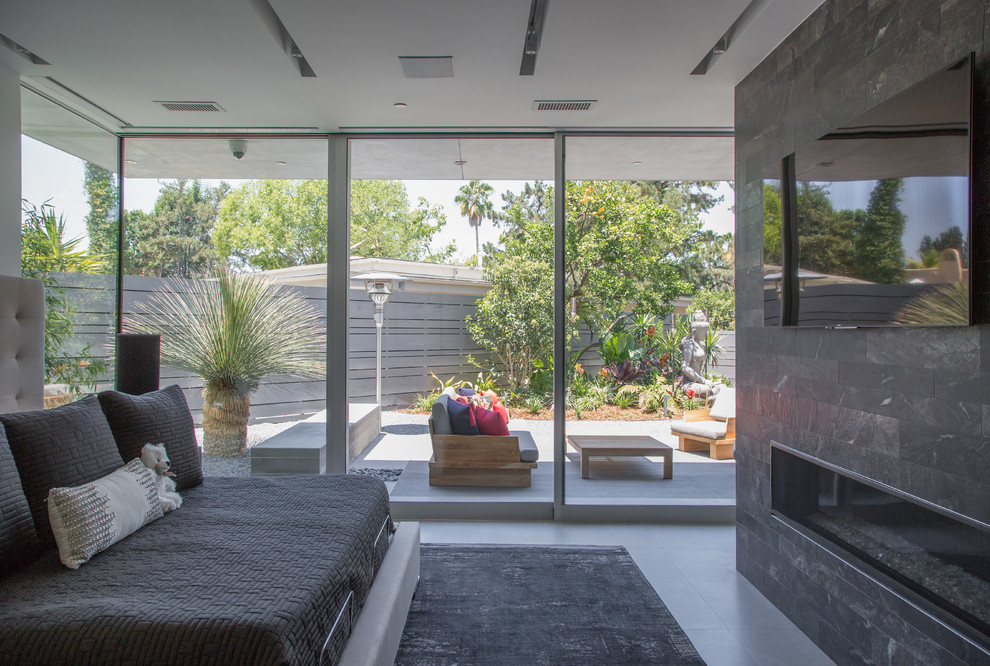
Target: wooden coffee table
x=620, y=445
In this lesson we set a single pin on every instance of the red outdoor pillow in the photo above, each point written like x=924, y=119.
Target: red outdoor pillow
x=489, y=422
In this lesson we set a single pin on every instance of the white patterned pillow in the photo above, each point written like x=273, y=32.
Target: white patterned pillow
x=90, y=518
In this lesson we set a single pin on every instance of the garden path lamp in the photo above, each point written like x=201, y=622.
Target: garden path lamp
x=379, y=287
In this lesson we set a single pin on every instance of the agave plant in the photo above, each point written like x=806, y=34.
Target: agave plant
x=233, y=332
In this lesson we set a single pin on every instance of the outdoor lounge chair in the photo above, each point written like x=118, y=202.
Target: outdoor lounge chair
x=479, y=460
x=714, y=429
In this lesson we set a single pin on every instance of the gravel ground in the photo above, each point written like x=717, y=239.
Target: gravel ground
x=217, y=466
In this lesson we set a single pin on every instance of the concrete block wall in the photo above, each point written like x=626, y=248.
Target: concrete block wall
x=909, y=408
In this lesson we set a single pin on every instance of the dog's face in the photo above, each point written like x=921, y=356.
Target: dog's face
x=154, y=457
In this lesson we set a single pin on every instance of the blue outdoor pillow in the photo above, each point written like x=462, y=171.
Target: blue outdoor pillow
x=460, y=419
x=465, y=391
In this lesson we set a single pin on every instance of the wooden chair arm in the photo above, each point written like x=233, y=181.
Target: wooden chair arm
x=730, y=428
x=475, y=448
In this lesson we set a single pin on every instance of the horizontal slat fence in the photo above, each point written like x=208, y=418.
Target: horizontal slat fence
x=423, y=332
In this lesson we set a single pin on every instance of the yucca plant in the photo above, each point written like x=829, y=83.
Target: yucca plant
x=233, y=332
x=944, y=304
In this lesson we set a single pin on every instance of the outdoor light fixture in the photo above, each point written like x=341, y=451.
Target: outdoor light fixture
x=379, y=287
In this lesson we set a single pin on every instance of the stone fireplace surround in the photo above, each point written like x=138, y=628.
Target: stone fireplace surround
x=909, y=409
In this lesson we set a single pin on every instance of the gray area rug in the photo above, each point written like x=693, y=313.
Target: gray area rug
x=574, y=605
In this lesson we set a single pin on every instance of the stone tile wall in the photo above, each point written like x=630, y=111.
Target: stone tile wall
x=910, y=408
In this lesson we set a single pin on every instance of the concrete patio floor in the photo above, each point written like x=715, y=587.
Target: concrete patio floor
x=701, y=490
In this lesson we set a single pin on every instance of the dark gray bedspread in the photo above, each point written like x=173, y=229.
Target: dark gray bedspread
x=247, y=571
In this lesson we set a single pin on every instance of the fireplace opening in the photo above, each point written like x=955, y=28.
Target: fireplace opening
x=943, y=557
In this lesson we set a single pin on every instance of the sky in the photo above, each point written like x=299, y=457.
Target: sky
x=49, y=174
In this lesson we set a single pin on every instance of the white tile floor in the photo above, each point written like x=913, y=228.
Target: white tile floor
x=692, y=568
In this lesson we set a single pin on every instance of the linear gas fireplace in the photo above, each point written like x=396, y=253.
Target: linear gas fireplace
x=941, y=556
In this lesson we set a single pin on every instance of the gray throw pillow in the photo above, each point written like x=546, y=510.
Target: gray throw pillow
x=18, y=540
x=441, y=418
x=66, y=446
x=156, y=417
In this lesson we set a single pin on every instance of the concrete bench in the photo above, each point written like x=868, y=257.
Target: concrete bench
x=302, y=449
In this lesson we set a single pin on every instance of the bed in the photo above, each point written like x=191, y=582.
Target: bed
x=273, y=570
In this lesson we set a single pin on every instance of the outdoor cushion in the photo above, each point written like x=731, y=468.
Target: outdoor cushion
x=66, y=446
x=724, y=406
x=158, y=417
x=527, y=447
x=706, y=429
x=489, y=422
x=441, y=418
x=460, y=419
x=465, y=391
x=18, y=540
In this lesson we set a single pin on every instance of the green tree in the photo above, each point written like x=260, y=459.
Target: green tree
x=175, y=239
x=621, y=252
x=878, y=250
x=476, y=205
x=533, y=204
x=825, y=236
x=772, y=228
x=514, y=320
x=950, y=239
x=269, y=224
x=383, y=223
x=719, y=305
x=687, y=198
x=102, y=194
x=620, y=259
x=708, y=260
x=45, y=254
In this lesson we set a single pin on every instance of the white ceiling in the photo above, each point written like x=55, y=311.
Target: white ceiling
x=632, y=56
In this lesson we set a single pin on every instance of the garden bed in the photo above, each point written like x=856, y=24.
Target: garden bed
x=603, y=413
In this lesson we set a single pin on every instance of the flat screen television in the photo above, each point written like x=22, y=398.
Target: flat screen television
x=869, y=225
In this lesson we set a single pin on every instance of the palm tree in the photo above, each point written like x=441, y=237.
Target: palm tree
x=233, y=332
x=476, y=206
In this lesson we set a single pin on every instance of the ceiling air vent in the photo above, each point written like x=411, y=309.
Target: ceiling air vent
x=564, y=104
x=191, y=106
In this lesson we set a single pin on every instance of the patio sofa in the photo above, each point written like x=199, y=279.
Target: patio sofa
x=477, y=459
x=713, y=429
x=277, y=570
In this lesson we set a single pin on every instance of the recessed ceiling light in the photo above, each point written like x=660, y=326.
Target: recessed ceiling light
x=280, y=163
x=637, y=163
x=460, y=162
x=130, y=161
x=400, y=105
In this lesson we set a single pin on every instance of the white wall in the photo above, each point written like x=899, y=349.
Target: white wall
x=10, y=172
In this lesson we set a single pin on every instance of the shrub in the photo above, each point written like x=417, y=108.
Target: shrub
x=626, y=400
x=423, y=402
x=534, y=404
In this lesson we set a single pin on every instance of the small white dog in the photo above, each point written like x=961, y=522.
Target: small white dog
x=154, y=458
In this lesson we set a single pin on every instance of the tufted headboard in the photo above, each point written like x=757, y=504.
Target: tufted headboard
x=22, y=344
